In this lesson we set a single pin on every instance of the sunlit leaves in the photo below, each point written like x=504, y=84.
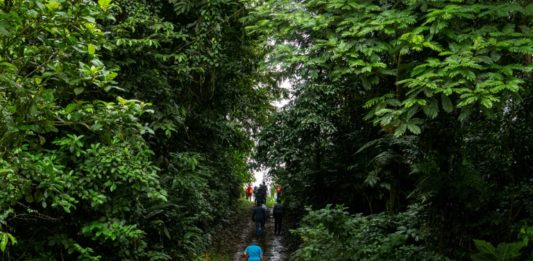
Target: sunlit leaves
x=104, y=4
x=53, y=5
x=91, y=49
x=5, y=239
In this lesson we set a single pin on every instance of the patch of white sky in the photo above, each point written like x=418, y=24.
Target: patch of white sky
x=261, y=175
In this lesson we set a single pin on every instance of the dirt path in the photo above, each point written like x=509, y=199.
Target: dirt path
x=271, y=244
x=274, y=248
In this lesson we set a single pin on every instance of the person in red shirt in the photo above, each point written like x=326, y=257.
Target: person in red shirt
x=249, y=192
x=278, y=192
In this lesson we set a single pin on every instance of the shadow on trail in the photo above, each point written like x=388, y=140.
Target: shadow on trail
x=271, y=244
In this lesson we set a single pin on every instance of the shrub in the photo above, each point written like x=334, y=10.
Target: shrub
x=332, y=233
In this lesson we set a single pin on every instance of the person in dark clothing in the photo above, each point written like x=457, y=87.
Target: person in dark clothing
x=260, y=196
x=256, y=194
x=261, y=193
x=263, y=205
x=263, y=188
x=259, y=217
x=277, y=212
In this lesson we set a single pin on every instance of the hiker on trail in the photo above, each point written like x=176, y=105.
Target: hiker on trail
x=263, y=188
x=255, y=191
x=260, y=194
x=264, y=206
x=249, y=191
x=278, y=192
x=259, y=216
x=277, y=212
x=253, y=252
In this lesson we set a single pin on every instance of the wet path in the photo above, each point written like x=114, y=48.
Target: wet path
x=271, y=244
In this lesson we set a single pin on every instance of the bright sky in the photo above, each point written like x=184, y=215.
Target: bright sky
x=259, y=177
x=260, y=174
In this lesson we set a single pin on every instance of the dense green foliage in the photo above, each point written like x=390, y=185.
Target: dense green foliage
x=125, y=126
x=193, y=58
x=402, y=103
x=332, y=234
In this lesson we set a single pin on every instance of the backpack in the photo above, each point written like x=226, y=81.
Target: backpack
x=259, y=214
x=278, y=210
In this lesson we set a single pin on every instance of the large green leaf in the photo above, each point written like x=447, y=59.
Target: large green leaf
x=485, y=247
x=104, y=4
x=447, y=105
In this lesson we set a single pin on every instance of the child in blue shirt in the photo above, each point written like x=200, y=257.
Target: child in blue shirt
x=253, y=252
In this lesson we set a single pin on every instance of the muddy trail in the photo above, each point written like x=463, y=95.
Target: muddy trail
x=271, y=244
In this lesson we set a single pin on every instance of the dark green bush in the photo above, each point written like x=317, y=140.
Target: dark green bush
x=333, y=234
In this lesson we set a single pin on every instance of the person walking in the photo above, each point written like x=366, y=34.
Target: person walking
x=249, y=191
x=264, y=206
x=259, y=217
x=278, y=192
x=255, y=193
x=253, y=252
x=262, y=193
x=277, y=212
